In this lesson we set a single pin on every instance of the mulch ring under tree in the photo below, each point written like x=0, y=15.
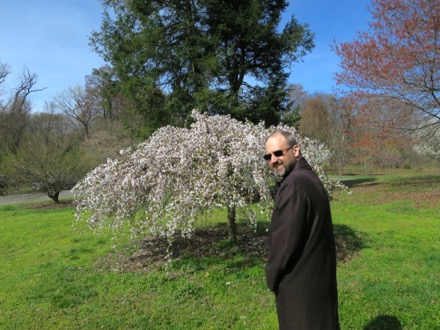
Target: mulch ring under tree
x=212, y=242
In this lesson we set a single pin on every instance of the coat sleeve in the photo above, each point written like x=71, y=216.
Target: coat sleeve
x=287, y=235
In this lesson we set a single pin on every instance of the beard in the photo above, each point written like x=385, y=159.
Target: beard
x=279, y=170
x=283, y=169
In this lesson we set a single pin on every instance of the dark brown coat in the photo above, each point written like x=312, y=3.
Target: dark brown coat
x=301, y=268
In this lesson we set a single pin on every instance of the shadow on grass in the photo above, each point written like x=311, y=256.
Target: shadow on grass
x=350, y=183
x=347, y=242
x=211, y=245
x=384, y=322
x=416, y=180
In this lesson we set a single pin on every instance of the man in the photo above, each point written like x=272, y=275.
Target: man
x=301, y=267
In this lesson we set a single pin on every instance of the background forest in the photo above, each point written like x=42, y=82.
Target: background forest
x=165, y=58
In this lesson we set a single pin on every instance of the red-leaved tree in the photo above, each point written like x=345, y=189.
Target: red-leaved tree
x=398, y=57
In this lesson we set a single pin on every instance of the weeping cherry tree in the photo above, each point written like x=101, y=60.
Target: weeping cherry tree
x=166, y=184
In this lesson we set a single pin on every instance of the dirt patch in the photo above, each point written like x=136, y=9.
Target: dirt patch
x=151, y=253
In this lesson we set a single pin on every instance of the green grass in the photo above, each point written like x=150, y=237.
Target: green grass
x=397, y=272
x=54, y=277
x=51, y=276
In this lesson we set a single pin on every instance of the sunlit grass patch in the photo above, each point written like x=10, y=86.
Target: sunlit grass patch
x=396, y=275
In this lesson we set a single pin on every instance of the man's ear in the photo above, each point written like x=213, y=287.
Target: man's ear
x=296, y=150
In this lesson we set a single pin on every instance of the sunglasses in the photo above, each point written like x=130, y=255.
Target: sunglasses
x=277, y=153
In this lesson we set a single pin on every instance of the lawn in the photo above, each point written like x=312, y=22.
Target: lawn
x=56, y=276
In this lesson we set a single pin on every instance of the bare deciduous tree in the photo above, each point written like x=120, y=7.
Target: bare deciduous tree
x=76, y=103
x=16, y=110
x=4, y=72
x=297, y=95
x=49, y=159
x=104, y=89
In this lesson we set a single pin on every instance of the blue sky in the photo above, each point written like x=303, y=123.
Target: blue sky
x=50, y=38
x=330, y=20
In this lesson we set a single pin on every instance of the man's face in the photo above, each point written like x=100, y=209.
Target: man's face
x=283, y=164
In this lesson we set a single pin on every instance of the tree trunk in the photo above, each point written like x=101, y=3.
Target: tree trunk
x=54, y=196
x=232, y=224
